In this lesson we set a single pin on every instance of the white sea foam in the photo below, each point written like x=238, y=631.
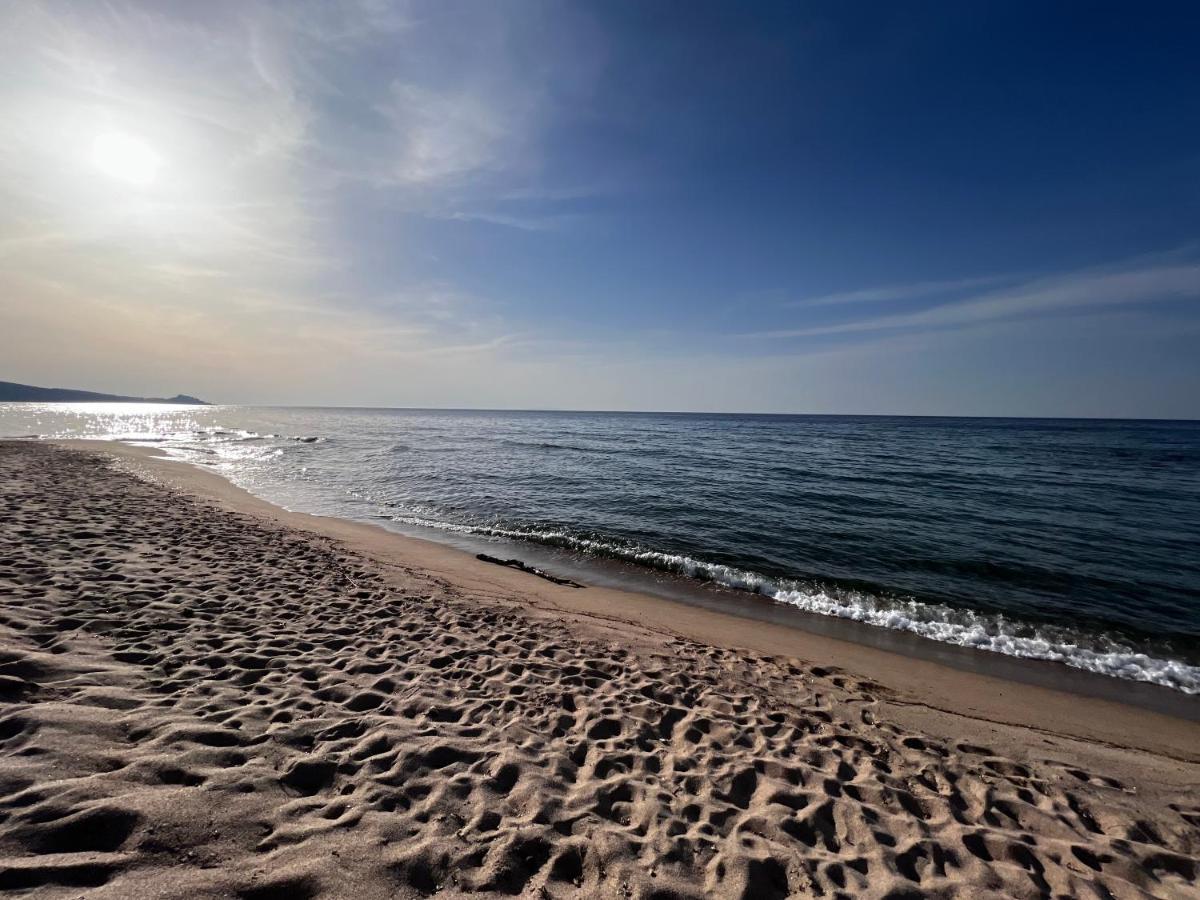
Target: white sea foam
x=1100, y=653
x=239, y=452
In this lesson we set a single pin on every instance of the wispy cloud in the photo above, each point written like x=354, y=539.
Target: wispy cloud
x=443, y=134
x=326, y=223
x=267, y=117
x=522, y=222
x=900, y=291
x=1074, y=293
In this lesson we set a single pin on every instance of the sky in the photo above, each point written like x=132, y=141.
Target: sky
x=924, y=208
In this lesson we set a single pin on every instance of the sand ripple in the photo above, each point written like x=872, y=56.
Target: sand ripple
x=202, y=704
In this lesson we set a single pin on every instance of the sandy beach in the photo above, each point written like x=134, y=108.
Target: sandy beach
x=207, y=696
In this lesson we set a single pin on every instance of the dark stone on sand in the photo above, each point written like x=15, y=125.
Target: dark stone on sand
x=517, y=564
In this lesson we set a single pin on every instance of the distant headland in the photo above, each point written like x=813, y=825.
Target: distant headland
x=11, y=392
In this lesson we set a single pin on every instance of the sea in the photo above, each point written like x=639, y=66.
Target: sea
x=1071, y=541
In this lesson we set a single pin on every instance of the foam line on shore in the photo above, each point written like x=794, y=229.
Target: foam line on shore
x=1100, y=653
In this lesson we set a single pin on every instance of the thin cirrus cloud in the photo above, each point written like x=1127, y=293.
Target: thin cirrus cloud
x=445, y=201
x=1073, y=293
x=263, y=114
x=443, y=135
x=900, y=291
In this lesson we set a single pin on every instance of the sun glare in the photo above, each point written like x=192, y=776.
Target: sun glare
x=126, y=158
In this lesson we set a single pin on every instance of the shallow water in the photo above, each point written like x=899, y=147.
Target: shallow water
x=1066, y=540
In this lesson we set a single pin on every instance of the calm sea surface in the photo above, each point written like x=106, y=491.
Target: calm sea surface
x=1076, y=541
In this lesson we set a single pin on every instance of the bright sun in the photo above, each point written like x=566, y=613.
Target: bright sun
x=126, y=158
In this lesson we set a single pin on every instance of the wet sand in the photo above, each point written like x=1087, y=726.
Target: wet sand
x=206, y=696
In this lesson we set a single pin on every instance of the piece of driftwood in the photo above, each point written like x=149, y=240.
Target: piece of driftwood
x=517, y=564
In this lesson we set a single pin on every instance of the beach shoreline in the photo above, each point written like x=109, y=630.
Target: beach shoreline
x=1034, y=566
x=243, y=701
x=968, y=682
x=656, y=586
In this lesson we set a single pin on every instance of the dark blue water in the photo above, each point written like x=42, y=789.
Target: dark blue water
x=1066, y=540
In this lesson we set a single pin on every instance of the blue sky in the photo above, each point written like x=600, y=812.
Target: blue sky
x=933, y=208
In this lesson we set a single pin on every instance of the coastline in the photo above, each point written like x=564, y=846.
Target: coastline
x=958, y=685
x=961, y=566
x=656, y=585
x=211, y=697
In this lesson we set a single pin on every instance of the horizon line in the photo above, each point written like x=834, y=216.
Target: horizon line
x=686, y=412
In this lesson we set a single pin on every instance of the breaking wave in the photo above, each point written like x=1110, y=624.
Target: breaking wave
x=1101, y=653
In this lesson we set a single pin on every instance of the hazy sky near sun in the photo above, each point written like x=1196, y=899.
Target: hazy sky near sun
x=960, y=208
